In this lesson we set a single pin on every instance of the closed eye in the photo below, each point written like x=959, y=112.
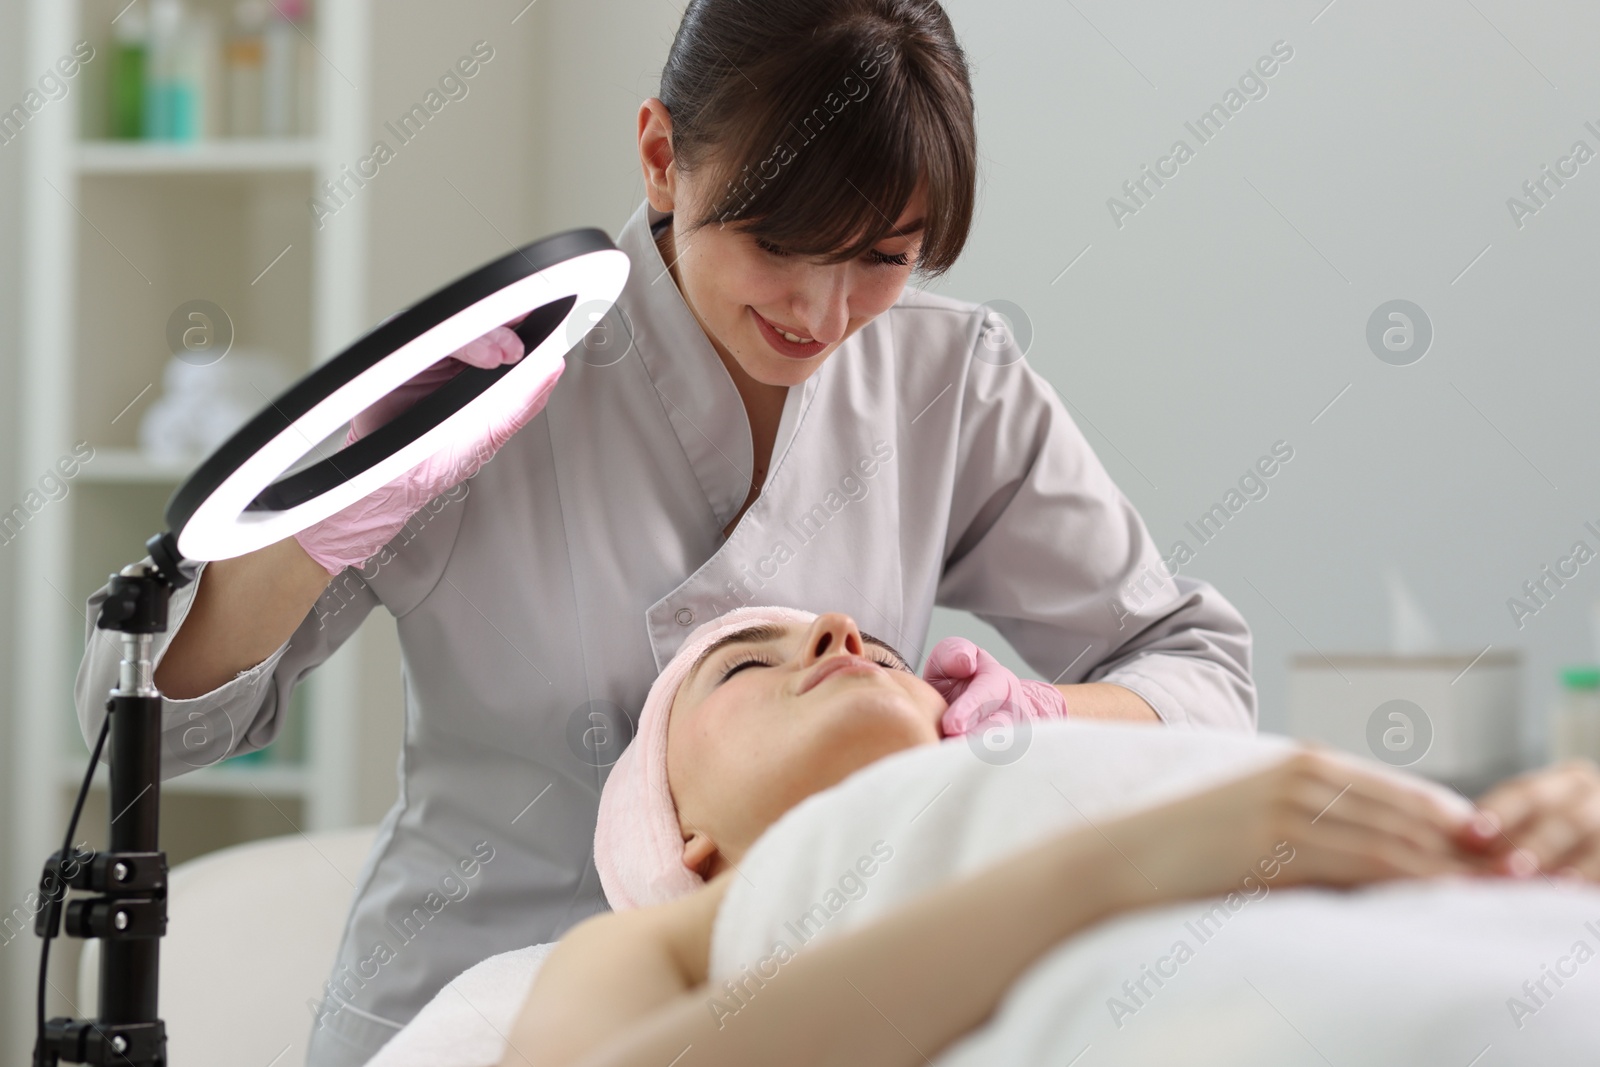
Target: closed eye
x=739, y=665
x=888, y=660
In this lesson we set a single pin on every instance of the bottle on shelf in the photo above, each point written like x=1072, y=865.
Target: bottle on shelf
x=1575, y=726
x=130, y=43
x=280, y=69
x=245, y=49
x=197, y=79
x=166, y=29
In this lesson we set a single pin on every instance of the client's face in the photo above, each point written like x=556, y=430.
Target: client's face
x=776, y=713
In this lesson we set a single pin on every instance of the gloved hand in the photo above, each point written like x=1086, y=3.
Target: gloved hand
x=350, y=537
x=976, y=686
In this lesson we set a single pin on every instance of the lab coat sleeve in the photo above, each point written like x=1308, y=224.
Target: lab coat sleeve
x=241, y=715
x=1043, y=546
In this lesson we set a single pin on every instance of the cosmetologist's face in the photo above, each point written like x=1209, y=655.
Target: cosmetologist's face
x=747, y=297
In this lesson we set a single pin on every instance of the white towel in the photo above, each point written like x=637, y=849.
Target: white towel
x=1405, y=974
x=468, y=1022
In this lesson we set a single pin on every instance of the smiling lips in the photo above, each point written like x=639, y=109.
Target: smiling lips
x=835, y=664
x=786, y=342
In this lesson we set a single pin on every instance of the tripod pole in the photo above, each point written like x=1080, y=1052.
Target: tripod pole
x=129, y=968
x=128, y=914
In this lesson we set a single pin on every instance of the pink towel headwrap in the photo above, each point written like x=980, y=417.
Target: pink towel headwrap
x=638, y=845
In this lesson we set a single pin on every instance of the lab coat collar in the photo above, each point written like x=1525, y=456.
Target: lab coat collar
x=698, y=395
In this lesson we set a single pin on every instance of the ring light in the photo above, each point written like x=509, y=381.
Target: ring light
x=240, y=500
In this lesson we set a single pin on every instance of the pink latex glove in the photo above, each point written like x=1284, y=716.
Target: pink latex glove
x=354, y=535
x=976, y=686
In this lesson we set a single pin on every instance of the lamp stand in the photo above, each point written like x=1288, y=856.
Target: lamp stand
x=128, y=912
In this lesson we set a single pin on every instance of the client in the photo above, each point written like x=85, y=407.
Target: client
x=767, y=706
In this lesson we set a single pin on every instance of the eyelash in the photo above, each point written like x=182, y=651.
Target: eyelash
x=752, y=659
x=873, y=256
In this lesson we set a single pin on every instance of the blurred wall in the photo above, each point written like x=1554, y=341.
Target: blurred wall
x=1230, y=312
x=469, y=186
x=466, y=190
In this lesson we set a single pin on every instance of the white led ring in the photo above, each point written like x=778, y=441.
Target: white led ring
x=236, y=503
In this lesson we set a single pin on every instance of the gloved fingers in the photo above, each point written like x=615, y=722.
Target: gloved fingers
x=954, y=722
x=976, y=707
x=1044, y=701
x=955, y=659
x=525, y=412
x=499, y=345
x=360, y=530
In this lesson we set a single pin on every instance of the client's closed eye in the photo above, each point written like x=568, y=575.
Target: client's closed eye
x=751, y=660
x=739, y=665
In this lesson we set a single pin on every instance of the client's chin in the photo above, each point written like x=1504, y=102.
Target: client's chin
x=871, y=718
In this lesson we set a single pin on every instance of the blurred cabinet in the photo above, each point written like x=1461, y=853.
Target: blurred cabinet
x=118, y=237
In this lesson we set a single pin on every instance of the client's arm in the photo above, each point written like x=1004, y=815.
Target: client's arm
x=631, y=988
x=611, y=970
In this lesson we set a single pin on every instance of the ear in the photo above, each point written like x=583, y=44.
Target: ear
x=700, y=854
x=655, y=154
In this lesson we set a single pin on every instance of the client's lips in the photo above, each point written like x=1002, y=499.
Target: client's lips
x=833, y=665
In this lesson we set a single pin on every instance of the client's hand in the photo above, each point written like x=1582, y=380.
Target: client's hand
x=352, y=536
x=1315, y=817
x=976, y=686
x=1547, y=819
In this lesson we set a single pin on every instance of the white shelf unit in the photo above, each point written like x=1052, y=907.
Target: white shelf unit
x=255, y=155
x=115, y=236
x=129, y=466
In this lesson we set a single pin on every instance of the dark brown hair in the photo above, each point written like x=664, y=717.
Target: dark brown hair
x=818, y=119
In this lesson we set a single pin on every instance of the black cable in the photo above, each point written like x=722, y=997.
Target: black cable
x=40, y=1058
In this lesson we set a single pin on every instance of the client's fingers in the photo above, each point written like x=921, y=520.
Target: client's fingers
x=1379, y=792
x=1543, y=819
x=1582, y=862
x=1344, y=824
x=1379, y=823
x=1391, y=820
x=1515, y=803
x=1564, y=834
x=1352, y=854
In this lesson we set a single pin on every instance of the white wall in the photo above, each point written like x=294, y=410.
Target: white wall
x=1231, y=310
x=464, y=191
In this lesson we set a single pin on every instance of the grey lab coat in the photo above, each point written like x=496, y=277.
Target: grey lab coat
x=924, y=463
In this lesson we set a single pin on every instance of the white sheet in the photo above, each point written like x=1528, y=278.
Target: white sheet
x=467, y=1022
x=1410, y=974
x=1407, y=974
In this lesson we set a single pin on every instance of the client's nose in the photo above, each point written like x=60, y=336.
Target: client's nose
x=833, y=633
